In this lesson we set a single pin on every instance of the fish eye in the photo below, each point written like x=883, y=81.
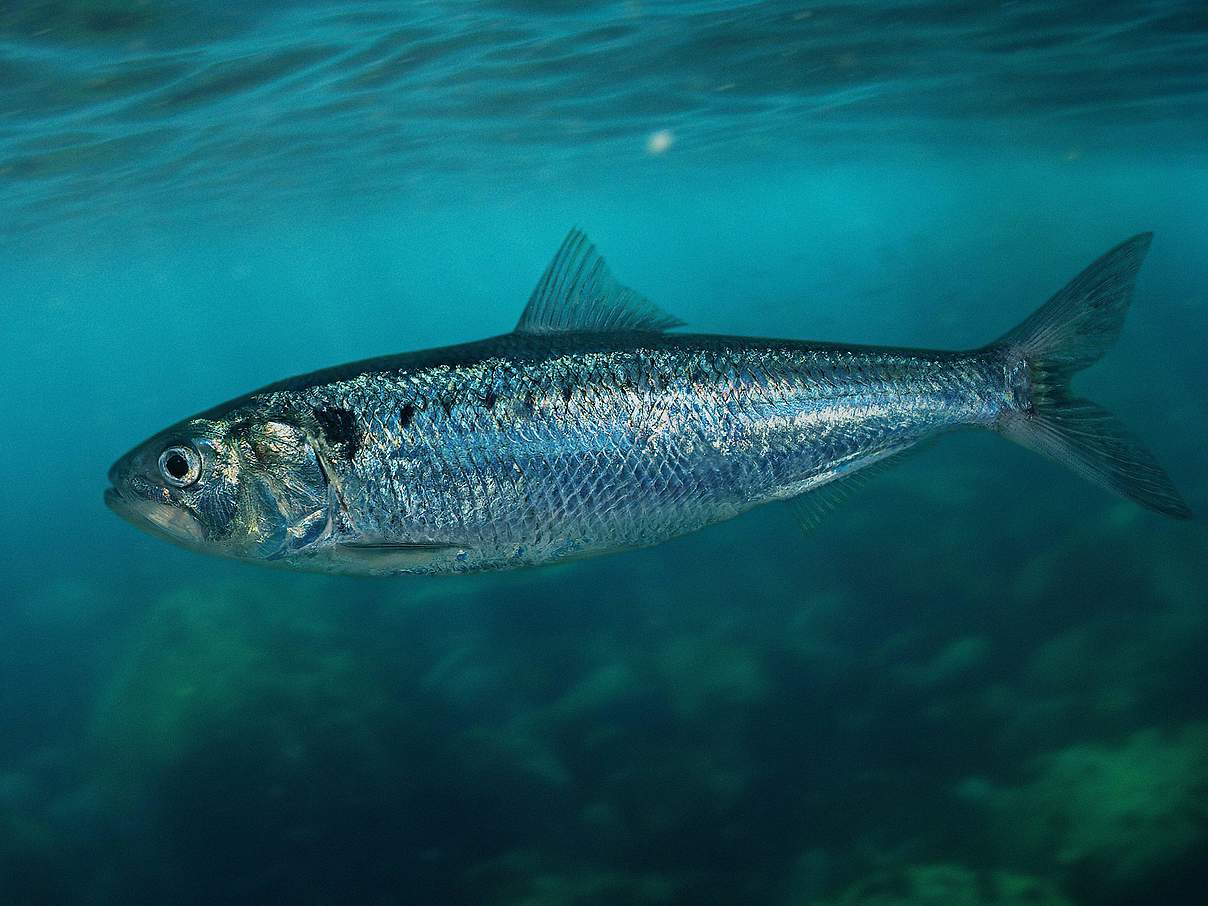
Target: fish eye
x=180, y=466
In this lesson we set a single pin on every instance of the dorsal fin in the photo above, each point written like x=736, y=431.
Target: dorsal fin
x=577, y=293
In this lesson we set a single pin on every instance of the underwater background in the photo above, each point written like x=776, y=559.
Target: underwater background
x=979, y=681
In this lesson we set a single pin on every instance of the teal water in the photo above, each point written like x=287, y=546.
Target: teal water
x=979, y=681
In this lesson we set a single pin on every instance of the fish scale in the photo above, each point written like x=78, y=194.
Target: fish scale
x=654, y=441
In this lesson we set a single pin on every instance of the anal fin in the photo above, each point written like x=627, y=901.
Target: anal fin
x=812, y=507
x=814, y=503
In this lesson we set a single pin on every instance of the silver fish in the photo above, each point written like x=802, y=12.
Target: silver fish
x=591, y=429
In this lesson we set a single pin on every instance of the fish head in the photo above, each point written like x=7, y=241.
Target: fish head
x=244, y=487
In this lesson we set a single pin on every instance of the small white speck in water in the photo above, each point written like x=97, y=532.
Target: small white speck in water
x=660, y=141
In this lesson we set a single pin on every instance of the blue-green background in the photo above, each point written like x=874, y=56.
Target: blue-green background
x=980, y=681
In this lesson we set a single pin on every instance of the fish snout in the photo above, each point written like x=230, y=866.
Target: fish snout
x=116, y=476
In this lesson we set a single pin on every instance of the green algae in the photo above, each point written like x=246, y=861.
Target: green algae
x=220, y=661
x=1123, y=812
x=948, y=885
x=30, y=858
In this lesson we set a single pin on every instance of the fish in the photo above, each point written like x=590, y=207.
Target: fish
x=595, y=427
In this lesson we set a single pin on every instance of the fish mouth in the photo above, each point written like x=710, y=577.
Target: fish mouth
x=160, y=519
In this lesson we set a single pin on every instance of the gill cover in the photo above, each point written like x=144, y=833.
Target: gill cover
x=283, y=489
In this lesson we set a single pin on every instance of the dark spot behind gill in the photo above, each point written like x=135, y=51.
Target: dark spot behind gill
x=404, y=417
x=340, y=428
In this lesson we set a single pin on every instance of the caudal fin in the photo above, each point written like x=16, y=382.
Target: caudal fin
x=1066, y=334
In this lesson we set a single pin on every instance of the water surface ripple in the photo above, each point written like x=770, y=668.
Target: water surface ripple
x=106, y=103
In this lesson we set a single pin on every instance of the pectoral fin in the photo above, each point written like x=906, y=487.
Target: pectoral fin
x=387, y=557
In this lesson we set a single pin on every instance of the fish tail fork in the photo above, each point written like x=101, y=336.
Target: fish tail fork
x=1068, y=333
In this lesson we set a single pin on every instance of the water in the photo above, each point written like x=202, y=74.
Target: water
x=978, y=681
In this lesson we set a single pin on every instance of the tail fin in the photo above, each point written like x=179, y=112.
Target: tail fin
x=1068, y=333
